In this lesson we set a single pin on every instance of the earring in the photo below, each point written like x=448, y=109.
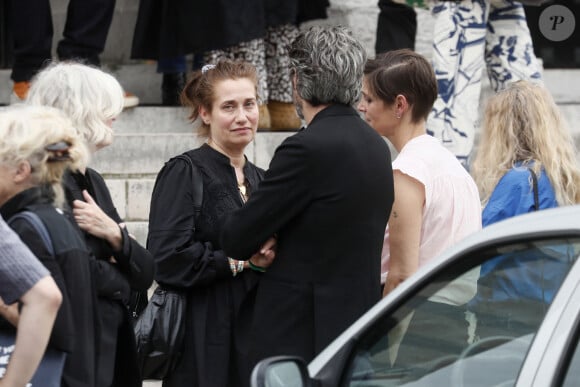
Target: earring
x=398, y=116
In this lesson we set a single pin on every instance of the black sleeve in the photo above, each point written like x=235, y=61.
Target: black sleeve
x=134, y=261
x=180, y=259
x=282, y=195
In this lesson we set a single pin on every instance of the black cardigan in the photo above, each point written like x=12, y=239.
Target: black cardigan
x=134, y=270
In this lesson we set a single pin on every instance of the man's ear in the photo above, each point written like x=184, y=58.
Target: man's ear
x=22, y=172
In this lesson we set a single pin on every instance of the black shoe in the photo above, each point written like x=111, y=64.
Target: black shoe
x=171, y=87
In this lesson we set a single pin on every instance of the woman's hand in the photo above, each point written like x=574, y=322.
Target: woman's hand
x=94, y=221
x=266, y=255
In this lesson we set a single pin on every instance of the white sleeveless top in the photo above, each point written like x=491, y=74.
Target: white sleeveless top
x=452, y=207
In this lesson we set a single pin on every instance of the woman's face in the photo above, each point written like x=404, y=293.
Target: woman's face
x=233, y=120
x=12, y=181
x=380, y=116
x=108, y=140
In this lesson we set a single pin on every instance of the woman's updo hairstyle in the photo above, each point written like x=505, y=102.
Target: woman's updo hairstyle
x=199, y=90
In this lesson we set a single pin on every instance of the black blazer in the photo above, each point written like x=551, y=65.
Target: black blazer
x=327, y=195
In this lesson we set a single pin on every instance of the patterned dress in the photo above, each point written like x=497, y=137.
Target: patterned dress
x=469, y=34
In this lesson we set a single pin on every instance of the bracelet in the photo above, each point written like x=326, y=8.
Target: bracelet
x=236, y=266
x=233, y=266
x=256, y=267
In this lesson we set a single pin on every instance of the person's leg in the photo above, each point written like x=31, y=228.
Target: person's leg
x=396, y=27
x=85, y=34
x=509, y=51
x=281, y=103
x=458, y=59
x=173, y=70
x=32, y=40
x=85, y=31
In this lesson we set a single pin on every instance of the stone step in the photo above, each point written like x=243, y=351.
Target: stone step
x=140, y=78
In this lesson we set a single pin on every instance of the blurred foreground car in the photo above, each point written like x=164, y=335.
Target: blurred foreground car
x=540, y=351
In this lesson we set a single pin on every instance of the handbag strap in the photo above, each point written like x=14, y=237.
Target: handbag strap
x=197, y=182
x=535, y=188
x=38, y=225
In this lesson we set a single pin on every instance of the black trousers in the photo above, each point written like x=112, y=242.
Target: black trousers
x=396, y=27
x=85, y=33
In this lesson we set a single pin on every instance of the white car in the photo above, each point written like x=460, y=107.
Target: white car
x=534, y=343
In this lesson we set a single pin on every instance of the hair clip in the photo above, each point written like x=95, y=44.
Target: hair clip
x=207, y=67
x=58, y=151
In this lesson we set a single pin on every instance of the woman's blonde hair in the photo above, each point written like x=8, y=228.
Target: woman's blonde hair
x=29, y=133
x=523, y=124
x=89, y=96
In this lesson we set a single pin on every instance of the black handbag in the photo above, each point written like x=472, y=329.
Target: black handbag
x=160, y=328
x=159, y=332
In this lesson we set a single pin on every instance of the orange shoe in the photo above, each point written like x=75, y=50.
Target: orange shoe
x=131, y=100
x=20, y=90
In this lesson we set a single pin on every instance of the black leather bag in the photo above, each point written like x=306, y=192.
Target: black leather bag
x=159, y=333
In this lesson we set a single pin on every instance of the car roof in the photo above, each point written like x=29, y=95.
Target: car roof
x=561, y=220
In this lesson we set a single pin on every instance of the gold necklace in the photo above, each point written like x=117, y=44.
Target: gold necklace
x=243, y=191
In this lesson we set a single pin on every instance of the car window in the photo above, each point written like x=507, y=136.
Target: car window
x=572, y=378
x=470, y=325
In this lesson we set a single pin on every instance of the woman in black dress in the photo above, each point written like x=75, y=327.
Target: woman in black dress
x=185, y=246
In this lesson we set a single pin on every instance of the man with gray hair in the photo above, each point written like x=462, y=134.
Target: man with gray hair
x=326, y=198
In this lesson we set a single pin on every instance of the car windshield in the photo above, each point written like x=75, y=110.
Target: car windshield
x=471, y=325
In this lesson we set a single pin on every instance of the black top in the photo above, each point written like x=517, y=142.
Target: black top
x=134, y=270
x=327, y=195
x=195, y=261
x=75, y=329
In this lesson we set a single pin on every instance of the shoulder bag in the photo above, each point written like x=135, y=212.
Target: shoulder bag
x=49, y=371
x=160, y=329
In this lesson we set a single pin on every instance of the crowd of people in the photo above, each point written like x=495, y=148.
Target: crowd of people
x=268, y=259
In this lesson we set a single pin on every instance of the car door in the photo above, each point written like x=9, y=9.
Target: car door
x=554, y=357
x=487, y=357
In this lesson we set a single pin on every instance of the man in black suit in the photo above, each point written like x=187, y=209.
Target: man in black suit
x=326, y=197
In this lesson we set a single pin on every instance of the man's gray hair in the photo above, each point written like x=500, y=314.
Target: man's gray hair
x=328, y=64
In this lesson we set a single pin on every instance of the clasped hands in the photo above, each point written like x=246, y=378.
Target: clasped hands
x=266, y=255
